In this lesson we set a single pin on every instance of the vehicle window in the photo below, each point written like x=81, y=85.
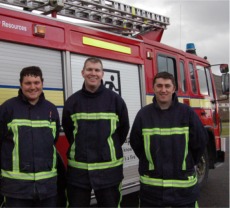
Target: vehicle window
x=182, y=77
x=168, y=64
x=202, y=80
x=210, y=88
x=192, y=78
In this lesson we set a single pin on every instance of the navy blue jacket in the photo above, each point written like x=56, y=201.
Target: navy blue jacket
x=96, y=126
x=28, y=153
x=168, y=143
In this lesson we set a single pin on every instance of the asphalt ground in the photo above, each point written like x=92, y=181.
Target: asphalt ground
x=216, y=192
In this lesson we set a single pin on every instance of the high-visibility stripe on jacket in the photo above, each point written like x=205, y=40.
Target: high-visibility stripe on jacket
x=95, y=166
x=28, y=154
x=191, y=181
x=147, y=133
x=168, y=143
x=96, y=125
x=113, y=119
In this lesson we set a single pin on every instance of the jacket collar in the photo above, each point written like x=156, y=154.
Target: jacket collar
x=93, y=94
x=174, y=101
x=24, y=98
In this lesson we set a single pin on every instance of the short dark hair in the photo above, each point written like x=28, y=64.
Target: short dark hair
x=164, y=75
x=93, y=60
x=31, y=71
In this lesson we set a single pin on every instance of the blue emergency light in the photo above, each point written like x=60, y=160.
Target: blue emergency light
x=190, y=48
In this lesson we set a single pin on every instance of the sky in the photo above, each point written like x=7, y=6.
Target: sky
x=204, y=23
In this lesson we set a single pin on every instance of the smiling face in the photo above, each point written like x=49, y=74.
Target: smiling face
x=164, y=89
x=31, y=87
x=93, y=74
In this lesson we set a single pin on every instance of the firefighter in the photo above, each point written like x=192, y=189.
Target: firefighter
x=29, y=126
x=95, y=121
x=169, y=140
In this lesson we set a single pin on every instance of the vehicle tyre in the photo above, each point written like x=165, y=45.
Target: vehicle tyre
x=203, y=169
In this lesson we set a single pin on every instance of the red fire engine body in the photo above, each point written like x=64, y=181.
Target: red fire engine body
x=60, y=48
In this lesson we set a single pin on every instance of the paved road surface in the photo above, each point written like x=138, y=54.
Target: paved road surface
x=216, y=192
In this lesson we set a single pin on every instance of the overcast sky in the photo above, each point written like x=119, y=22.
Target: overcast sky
x=204, y=23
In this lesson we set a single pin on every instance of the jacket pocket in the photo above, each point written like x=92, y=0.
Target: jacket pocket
x=43, y=165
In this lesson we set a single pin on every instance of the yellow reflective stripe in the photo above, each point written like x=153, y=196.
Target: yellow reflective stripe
x=95, y=166
x=32, y=123
x=110, y=140
x=72, y=151
x=54, y=158
x=106, y=45
x=15, y=123
x=196, y=204
x=147, y=151
x=72, y=148
x=75, y=126
x=15, y=152
x=192, y=180
x=96, y=116
x=29, y=176
x=167, y=131
x=185, y=151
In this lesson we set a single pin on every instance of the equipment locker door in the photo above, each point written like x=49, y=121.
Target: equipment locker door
x=125, y=80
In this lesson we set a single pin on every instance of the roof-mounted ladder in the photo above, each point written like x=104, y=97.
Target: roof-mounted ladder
x=106, y=12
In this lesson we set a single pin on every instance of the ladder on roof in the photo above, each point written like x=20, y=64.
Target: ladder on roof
x=106, y=12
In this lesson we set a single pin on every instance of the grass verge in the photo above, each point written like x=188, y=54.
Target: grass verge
x=225, y=129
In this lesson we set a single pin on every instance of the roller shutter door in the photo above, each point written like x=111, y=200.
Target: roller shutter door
x=14, y=57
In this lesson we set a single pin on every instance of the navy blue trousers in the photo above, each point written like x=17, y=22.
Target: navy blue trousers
x=80, y=197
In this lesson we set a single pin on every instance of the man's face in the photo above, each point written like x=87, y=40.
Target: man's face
x=93, y=74
x=164, y=89
x=32, y=88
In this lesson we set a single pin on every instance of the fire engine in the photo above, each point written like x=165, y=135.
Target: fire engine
x=127, y=39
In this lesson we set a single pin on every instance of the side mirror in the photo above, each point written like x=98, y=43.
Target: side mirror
x=223, y=68
x=225, y=83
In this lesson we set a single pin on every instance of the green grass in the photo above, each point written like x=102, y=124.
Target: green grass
x=225, y=129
